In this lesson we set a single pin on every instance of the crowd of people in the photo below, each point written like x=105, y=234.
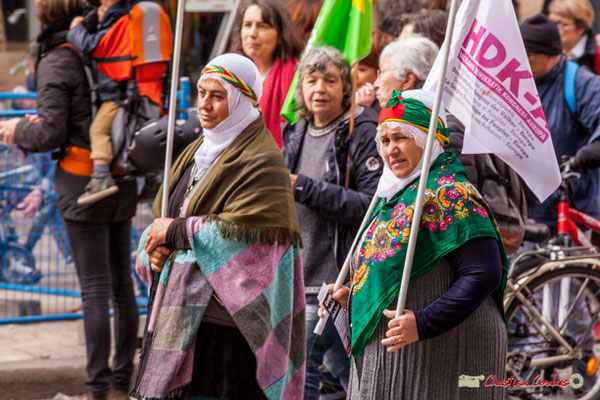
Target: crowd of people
x=262, y=212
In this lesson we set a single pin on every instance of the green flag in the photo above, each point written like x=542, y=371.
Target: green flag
x=343, y=24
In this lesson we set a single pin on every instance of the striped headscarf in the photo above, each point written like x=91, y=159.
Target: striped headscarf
x=241, y=79
x=234, y=80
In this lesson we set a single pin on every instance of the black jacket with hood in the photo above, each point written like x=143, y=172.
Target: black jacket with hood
x=343, y=208
x=64, y=110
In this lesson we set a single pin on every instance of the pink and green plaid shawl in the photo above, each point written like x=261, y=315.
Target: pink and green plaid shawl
x=261, y=286
x=241, y=224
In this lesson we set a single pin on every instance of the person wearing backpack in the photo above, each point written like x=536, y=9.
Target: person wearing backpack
x=109, y=91
x=99, y=234
x=570, y=100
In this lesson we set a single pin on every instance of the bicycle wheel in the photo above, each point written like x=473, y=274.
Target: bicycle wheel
x=568, y=298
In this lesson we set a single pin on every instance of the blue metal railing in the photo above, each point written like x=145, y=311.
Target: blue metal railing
x=13, y=96
x=17, y=96
x=38, y=281
x=17, y=113
x=55, y=317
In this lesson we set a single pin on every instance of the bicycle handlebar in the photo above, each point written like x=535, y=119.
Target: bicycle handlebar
x=566, y=169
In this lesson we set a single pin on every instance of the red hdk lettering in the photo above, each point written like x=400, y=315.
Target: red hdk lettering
x=489, y=52
x=510, y=72
x=474, y=36
x=538, y=113
x=491, y=42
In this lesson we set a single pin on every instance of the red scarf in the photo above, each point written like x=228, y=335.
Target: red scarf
x=275, y=90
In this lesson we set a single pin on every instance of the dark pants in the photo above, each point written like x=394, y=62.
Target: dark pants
x=101, y=255
x=224, y=365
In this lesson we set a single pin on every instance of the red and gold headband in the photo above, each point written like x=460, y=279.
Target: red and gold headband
x=234, y=80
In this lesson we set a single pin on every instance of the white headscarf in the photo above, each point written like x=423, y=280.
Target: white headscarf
x=241, y=110
x=389, y=184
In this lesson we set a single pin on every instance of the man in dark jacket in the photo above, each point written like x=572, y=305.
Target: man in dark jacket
x=499, y=185
x=321, y=153
x=573, y=134
x=570, y=131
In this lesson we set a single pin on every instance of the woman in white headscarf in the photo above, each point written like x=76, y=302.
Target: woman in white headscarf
x=226, y=311
x=453, y=323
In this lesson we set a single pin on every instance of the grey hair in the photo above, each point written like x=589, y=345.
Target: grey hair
x=412, y=52
x=317, y=59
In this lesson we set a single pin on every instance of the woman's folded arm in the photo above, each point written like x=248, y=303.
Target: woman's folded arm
x=479, y=268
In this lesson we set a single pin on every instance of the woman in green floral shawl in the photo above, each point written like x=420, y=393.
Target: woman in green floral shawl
x=453, y=328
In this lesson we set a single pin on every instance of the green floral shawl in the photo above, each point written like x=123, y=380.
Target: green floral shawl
x=453, y=213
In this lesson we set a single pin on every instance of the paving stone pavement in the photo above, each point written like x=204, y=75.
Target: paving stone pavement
x=40, y=361
x=43, y=361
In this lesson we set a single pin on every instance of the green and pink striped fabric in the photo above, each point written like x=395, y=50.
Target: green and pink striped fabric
x=262, y=288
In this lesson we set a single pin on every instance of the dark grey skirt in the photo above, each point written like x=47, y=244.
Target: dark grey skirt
x=224, y=366
x=430, y=369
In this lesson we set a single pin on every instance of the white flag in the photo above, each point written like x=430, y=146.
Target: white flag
x=490, y=89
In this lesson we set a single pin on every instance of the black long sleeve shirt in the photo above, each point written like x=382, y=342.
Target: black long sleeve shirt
x=479, y=268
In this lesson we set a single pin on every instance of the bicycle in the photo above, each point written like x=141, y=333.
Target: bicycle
x=552, y=303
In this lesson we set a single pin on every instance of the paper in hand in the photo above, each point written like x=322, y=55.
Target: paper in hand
x=338, y=315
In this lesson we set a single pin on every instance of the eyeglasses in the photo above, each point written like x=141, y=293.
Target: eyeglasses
x=563, y=24
x=383, y=71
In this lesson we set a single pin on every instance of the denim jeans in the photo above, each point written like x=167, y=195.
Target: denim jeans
x=328, y=344
x=48, y=218
x=101, y=255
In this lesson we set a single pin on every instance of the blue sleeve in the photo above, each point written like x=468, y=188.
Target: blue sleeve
x=479, y=268
x=84, y=41
x=336, y=202
x=587, y=92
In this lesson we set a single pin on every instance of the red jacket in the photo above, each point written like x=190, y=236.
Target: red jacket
x=275, y=90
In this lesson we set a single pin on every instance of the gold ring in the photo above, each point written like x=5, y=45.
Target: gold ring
x=400, y=338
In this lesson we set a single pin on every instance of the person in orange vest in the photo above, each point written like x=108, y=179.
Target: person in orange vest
x=85, y=40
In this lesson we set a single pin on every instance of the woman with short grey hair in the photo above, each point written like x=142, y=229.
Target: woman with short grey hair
x=317, y=59
x=320, y=152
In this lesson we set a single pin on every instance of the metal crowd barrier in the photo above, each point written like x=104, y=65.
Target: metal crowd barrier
x=38, y=281
x=9, y=112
